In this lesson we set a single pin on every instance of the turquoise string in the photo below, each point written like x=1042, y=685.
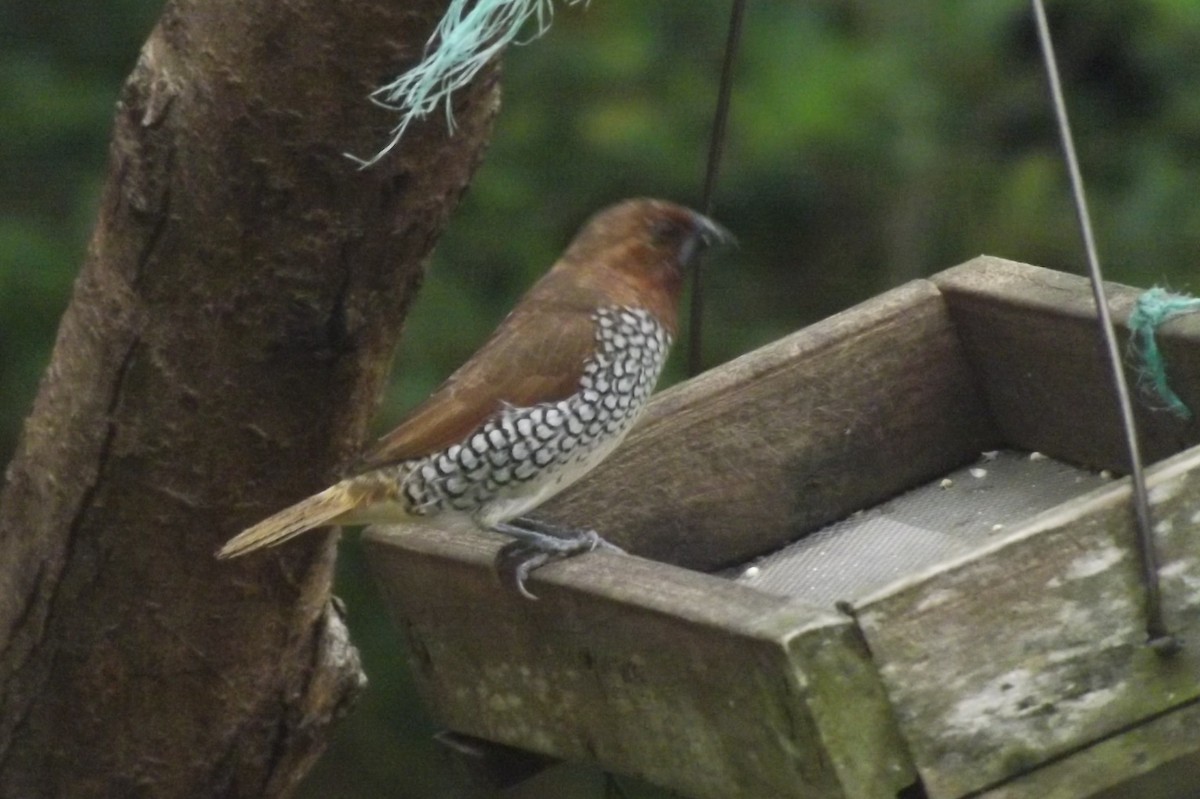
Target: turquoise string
x=470, y=35
x=1152, y=310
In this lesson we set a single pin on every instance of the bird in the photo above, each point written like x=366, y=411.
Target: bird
x=546, y=398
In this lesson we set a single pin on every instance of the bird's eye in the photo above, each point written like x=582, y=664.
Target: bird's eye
x=666, y=231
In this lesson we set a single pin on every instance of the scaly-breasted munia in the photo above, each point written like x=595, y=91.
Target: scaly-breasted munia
x=548, y=396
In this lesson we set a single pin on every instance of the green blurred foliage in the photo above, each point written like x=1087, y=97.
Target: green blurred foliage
x=870, y=142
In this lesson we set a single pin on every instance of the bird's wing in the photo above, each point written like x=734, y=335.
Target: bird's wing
x=534, y=356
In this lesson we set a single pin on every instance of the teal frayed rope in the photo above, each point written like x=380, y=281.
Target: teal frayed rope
x=471, y=34
x=1153, y=309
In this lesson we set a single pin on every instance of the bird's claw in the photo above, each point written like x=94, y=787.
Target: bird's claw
x=534, y=546
x=515, y=561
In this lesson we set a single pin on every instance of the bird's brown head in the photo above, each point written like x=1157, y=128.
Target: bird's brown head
x=635, y=254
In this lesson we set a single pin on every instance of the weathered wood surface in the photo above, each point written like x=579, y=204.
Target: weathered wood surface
x=1034, y=647
x=779, y=442
x=1031, y=335
x=1018, y=669
x=687, y=680
x=1157, y=759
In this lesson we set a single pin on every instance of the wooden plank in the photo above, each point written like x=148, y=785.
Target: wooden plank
x=689, y=681
x=1033, y=647
x=715, y=689
x=779, y=442
x=1031, y=335
x=1156, y=760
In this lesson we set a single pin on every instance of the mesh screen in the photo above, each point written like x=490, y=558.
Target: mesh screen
x=930, y=524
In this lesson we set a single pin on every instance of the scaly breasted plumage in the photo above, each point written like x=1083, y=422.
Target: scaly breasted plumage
x=546, y=398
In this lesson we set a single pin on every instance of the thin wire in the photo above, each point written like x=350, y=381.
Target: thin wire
x=1158, y=635
x=716, y=146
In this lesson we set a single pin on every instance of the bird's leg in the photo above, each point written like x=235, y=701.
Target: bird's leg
x=522, y=526
x=537, y=543
x=554, y=538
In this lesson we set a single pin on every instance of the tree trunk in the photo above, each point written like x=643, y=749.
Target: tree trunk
x=227, y=339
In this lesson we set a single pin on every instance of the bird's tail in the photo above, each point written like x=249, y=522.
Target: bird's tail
x=317, y=510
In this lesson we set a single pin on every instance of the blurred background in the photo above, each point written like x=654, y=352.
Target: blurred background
x=870, y=142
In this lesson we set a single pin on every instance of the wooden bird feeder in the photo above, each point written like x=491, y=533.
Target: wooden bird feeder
x=885, y=554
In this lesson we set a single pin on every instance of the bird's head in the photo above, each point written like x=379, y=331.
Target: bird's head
x=636, y=252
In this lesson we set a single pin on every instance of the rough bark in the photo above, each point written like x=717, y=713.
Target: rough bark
x=228, y=335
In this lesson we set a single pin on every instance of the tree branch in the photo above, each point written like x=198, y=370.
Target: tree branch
x=226, y=342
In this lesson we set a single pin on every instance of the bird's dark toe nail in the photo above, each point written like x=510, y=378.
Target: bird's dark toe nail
x=605, y=546
x=514, y=563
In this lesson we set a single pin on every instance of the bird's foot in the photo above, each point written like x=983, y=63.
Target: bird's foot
x=537, y=543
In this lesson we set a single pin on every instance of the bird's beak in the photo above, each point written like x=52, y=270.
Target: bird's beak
x=711, y=233
x=705, y=233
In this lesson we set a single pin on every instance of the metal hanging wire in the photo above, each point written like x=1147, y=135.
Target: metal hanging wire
x=716, y=146
x=1159, y=638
